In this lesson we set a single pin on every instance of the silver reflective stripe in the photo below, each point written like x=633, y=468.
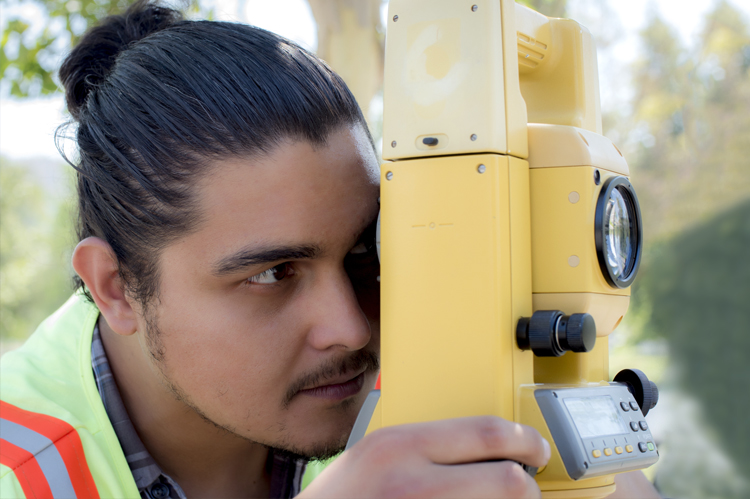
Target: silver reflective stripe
x=363, y=419
x=46, y=454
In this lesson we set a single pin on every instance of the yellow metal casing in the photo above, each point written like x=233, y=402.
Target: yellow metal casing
x=465, y=235
x=563, y=163
x=473, y=236
x=558, y=71
x=445, y=78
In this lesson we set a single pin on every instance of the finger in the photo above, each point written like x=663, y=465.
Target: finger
x=504, y=479
x=482, y=438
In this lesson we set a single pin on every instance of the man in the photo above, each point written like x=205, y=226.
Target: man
x=227, y=194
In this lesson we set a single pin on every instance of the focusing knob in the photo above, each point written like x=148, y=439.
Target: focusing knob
x=542, y=333
x=645, y=392
x=549, y=333
x=579, y=331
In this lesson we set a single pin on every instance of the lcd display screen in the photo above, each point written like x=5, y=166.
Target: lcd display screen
x=595, y=416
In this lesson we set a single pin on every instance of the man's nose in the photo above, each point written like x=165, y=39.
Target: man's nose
x=337, y=320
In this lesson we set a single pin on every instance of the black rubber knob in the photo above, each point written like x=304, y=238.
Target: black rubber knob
x=645, y=391
x=542, y=328
x=549, y=333
x=577, y=332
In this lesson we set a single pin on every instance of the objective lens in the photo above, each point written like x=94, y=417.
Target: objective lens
x=618, y=232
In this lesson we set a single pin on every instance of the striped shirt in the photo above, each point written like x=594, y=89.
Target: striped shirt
x=286, y=472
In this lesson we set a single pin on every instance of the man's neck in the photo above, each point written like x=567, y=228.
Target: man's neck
x=204, y=459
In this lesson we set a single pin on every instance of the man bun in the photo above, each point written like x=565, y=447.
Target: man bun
x=93, y=58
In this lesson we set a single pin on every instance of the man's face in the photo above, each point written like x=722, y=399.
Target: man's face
x=268, y=313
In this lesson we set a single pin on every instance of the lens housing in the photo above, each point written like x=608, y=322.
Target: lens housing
x=618, y=232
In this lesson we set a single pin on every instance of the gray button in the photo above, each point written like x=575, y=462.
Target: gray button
x=634, y=426
x=642, y=446
x=159, y=491
x=625, y=406
x=634, y=406
x=643, y=425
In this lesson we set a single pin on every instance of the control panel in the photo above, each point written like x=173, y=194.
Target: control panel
x=597, y=429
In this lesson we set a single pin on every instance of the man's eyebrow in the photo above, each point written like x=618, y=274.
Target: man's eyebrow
x=257, y=256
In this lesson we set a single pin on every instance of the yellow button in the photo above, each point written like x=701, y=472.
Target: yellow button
x=629, y=448
x=596, y=453
x=607, y=451
x=618, y=449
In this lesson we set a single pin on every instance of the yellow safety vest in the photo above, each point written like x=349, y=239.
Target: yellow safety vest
x=56, y=439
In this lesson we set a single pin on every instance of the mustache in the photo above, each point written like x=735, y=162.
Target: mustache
x=335, y=367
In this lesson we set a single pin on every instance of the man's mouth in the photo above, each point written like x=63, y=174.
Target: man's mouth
x=338, y=389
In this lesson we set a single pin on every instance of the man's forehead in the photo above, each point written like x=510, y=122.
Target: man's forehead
x=298, y=196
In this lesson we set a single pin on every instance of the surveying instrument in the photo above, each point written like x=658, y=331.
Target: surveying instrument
x=509, y=237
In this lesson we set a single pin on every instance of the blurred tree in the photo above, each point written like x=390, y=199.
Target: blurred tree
x=36, y=240
x=351, y=40
x=697, y=286
x=689, y=127
x=30, y=58
x=550, y=8
x=688, y=148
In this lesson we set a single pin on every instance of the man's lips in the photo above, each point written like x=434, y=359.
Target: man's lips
x=338, y=390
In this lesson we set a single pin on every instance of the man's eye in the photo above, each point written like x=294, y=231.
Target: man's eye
x=272, y=275
x=359, y=249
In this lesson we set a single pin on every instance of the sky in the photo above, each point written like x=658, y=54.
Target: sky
x=27, y=127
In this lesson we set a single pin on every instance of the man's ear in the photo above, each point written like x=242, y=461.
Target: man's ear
x=96, y=264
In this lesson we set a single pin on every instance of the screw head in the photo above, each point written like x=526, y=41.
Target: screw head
x=389, y=175
x=473, y=136
x=481, y=168
x=474, y=8
x=395, y=18
x=393, y=144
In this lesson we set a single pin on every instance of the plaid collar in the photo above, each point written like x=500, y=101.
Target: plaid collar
x=286, y=472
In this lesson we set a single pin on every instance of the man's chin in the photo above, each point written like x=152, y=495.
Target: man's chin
x=318, y=451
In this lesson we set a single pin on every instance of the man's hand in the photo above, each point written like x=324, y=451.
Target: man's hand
x=467, y=458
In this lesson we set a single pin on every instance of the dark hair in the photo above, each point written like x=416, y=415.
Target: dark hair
x=157, y=97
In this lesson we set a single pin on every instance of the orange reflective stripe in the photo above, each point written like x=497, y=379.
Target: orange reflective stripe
x=71, y=450
x=67, y=442
x=27, y=470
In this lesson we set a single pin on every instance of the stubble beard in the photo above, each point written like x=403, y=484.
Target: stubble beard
x=320, y=451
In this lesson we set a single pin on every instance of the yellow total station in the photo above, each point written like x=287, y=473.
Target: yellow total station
x=509, y=235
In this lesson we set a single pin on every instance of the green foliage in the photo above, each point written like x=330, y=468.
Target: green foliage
x=689, y=126
x=29, y=61
x=688, y=149
x=550, y=8
x=36, y=238
x=698, y=289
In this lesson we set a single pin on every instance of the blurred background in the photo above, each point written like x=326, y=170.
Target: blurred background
x=675, y=87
